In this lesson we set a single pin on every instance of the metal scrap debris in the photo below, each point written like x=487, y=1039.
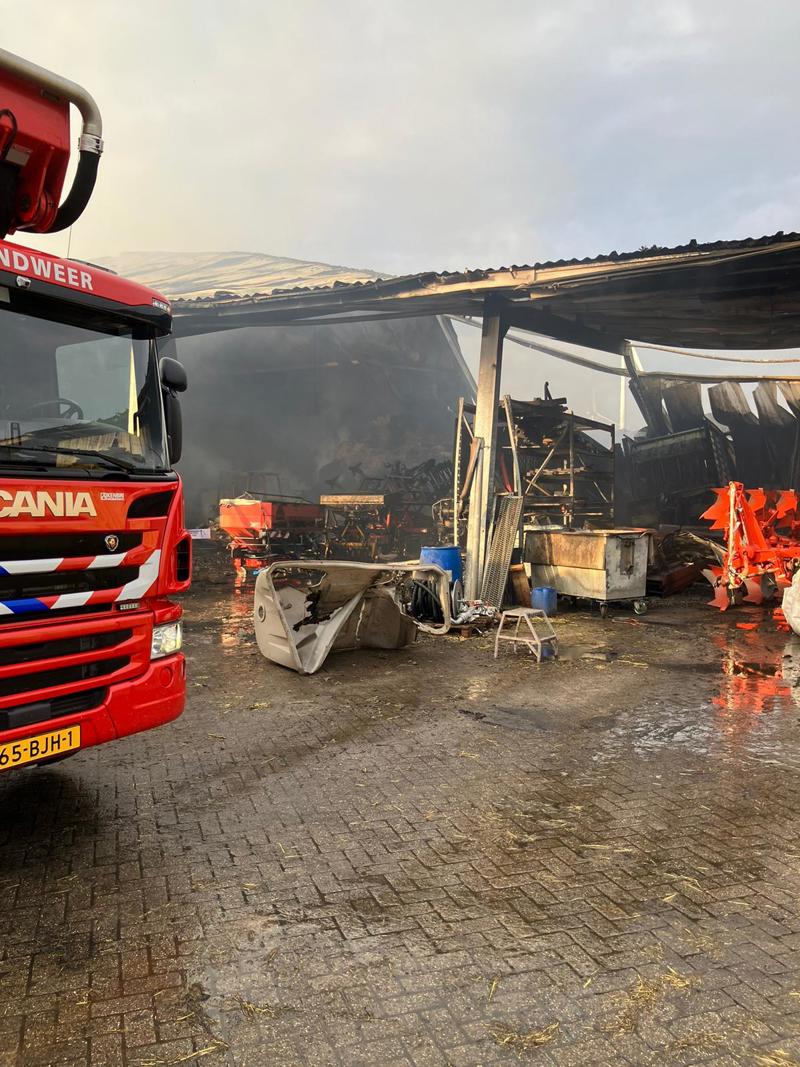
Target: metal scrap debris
x=304, y=609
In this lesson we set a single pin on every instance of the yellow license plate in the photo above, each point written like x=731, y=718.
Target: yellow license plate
x=43, y=746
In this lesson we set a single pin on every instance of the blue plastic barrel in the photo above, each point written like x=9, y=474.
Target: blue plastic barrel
x=448, y=557
x=545, y=598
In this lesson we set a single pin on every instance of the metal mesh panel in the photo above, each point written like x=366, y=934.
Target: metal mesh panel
x=504, y=537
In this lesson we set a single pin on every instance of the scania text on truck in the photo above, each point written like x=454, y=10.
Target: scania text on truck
x=92, y=542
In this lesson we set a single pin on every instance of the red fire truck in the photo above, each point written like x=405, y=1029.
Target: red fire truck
x=92, y=542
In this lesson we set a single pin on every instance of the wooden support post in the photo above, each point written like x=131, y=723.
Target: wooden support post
x=614, y=467
x=457, y=461
x=571, y=514
x=481, y=501
x=512, y=440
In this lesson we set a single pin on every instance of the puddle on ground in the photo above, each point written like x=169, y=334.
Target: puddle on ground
x=227, y=622
x=751, y=707
x=237, y=626
x=743, y=701
x=759, y=673
x=695, y=667
x=526, y=719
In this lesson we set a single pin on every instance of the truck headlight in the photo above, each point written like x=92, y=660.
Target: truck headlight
x=167, y=639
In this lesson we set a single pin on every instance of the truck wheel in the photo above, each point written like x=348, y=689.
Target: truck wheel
x=603, y=610
x=640, y=607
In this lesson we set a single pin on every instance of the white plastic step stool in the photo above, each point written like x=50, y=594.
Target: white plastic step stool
x=537, y=632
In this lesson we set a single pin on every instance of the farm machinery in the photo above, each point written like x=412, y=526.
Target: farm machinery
x=762, y=543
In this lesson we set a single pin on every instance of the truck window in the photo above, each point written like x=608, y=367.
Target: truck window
x=103, y=373
x=73, y=386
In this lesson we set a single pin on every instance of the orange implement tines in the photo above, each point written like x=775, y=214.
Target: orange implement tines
x=762, y=543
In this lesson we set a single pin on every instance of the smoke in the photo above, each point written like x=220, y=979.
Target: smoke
x=314, y=406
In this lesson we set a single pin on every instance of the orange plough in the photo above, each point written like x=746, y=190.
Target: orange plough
x=762, y=543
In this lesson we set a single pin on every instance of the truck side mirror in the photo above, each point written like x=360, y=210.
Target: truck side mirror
x=173, y=381
x=174, y=421
x=173, y=374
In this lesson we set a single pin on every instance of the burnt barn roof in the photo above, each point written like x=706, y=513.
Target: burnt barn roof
x=722, y=294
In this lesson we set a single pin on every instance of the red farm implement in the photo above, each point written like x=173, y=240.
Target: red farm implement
x=762, y=543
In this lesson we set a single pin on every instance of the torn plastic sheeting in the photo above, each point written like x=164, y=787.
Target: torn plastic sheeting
x=304, y=609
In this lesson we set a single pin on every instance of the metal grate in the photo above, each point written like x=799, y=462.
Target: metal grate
x=498, y=559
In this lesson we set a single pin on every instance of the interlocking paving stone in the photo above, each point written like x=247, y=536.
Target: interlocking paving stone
x=347, y=870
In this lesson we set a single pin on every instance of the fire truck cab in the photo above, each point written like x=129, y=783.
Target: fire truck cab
x=92, y=540
x=92, y=543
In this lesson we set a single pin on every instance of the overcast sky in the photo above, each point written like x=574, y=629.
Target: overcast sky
x=417, y=134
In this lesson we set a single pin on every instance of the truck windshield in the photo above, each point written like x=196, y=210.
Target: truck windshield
x=75, y=397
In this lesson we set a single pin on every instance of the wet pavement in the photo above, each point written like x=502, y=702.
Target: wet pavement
x=424, y=857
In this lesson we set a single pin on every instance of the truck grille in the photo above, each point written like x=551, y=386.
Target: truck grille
x=64, y=646
x=67, y=658
x=65, y=546
x=82, y=570
x=56, y=583
x=15, y=621
x=42, y=710
x=79, y=672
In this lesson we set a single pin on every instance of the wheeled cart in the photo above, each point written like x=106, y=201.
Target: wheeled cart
x=606, y=566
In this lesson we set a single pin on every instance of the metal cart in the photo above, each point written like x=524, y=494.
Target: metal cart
x=602, y=565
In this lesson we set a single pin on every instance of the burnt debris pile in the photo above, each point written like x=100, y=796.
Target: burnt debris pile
x=666, y=475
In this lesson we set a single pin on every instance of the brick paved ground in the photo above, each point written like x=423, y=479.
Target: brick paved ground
x=422, y=858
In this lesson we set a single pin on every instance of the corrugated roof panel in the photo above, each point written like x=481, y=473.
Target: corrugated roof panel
x=722, y=294
x=479, y=274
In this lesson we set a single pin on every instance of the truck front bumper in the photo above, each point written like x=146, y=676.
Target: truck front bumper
x=154, y=697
